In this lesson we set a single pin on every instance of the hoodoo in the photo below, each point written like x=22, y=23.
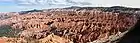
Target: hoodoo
x=72, y=25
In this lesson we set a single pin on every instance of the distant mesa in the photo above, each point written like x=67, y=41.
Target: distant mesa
x=25, y=12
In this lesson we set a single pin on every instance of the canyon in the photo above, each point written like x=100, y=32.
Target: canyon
x=68, y=25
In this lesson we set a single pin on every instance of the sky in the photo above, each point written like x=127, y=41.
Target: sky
x=24, y=5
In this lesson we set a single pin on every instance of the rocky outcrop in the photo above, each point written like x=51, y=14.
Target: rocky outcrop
x=80, y=26
x=85, y=26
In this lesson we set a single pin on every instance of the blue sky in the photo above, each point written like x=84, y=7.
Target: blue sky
x=22, y=5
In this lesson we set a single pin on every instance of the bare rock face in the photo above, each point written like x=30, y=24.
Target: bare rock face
x=73, y=26
x=13, y=40
x=54, y=39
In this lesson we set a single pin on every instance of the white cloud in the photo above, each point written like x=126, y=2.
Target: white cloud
x=43, y=4
x=50, y=2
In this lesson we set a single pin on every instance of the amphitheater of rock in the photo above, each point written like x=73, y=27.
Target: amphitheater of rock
x=77, y=26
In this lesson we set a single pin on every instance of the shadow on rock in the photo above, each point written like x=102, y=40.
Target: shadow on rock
x=132, y=36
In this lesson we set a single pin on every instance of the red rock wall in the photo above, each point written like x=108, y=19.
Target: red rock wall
x=79, y=26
